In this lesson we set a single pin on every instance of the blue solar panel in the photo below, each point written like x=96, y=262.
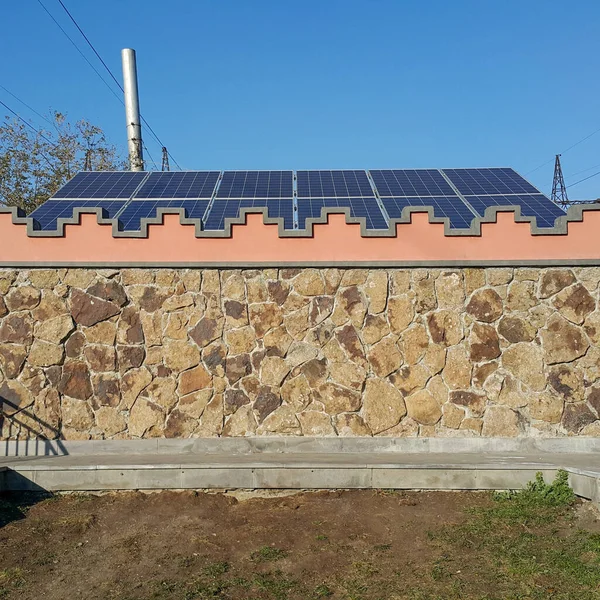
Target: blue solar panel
x=102, y=184
x=193, y=184
x=256, y=184
x=222, y=209
x=359, y=207
x=45, y=216
x=411, y=182
x=453, y=207
x=333, y=184
x=130, y=218
x=532, y=205
x=478, y=182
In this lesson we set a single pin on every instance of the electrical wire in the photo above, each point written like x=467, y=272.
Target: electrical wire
x=27, y=105
x=20, y=118
x=584, y=171
x=80, y=52
x=113, y=77
x=584, y=179
x=150, y=156
x=28, y=124
x=587, y=137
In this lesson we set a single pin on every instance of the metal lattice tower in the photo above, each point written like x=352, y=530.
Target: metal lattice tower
x=559, y=189
x=165, y=159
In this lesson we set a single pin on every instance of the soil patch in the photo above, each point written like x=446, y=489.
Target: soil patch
x=342, y=544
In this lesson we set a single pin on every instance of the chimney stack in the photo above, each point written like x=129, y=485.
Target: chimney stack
x=132, y=110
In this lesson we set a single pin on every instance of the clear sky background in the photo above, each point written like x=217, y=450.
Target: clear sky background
x=276, y=84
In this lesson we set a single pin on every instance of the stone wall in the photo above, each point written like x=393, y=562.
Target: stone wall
x=135, y=353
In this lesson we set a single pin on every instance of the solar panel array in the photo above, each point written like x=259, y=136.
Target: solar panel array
x=376, y=197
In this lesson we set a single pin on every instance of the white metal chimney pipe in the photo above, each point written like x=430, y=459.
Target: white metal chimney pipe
x=132, y=110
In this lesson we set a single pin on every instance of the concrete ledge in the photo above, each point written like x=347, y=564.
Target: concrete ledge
x=299, y=470
x=273, y=444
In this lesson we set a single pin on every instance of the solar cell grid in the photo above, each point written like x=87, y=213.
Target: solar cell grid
x=359, y=207
x=130, y=219
x=256, y=184
x=458, y=213
x=222, y=209
x=532, y=205
x=101, y=184
x=333, y=184
x=46, y=216
x=193, y=184
x=411, y=182
x=478, y=182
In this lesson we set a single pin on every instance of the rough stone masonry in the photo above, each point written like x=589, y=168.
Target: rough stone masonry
x=139, y=353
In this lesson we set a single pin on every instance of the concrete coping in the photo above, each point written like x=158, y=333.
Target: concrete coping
x=275, y=444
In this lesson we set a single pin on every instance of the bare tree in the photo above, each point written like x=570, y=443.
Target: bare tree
x=33, y=166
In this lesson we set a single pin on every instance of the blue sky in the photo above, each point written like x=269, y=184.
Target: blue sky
x=272, y=84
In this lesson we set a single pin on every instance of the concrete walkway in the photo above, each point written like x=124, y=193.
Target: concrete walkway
x=300, y=470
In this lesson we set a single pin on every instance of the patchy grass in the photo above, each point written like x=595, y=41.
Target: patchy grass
x=268, y=554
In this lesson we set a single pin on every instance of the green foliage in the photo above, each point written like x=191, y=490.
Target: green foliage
x=34, y=165
x=540, y=494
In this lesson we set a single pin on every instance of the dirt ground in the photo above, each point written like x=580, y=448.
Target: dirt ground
x=344, y=544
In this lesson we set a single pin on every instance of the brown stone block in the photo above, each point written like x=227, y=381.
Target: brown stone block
x=17, y=328
x=383, y=406
x=485, y=305
x=575, y=303
x=554, y=280
x=88, y=310
x=484, y=343
x=562, y=341
x=107, y=390
x=337, y=399
x=22, y=298
x=476, y=403
x=75, y=380
x=12, y=357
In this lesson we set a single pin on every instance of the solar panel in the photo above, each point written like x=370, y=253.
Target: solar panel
x=453, y=207
x=333, y=184
x=359, y=207
x=256, y=184
x=411, y=182
x=45, y=217
x=130, y=218
x=479, y=182
x=193, y=184
x=532, y=205
x=221, y=209
x=102, y=184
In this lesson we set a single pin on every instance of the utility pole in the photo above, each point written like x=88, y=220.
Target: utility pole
x=132, y=110
x=165, y=159
x=559, y=189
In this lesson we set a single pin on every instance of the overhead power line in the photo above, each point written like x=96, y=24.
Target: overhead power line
x=80, y=52
x=584, y=171
x=587, y=137
x=584, y=179
x=20, y=118
x=27, y=105
x=113, y=76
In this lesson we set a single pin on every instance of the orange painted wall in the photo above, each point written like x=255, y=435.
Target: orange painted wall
x=334, y=242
